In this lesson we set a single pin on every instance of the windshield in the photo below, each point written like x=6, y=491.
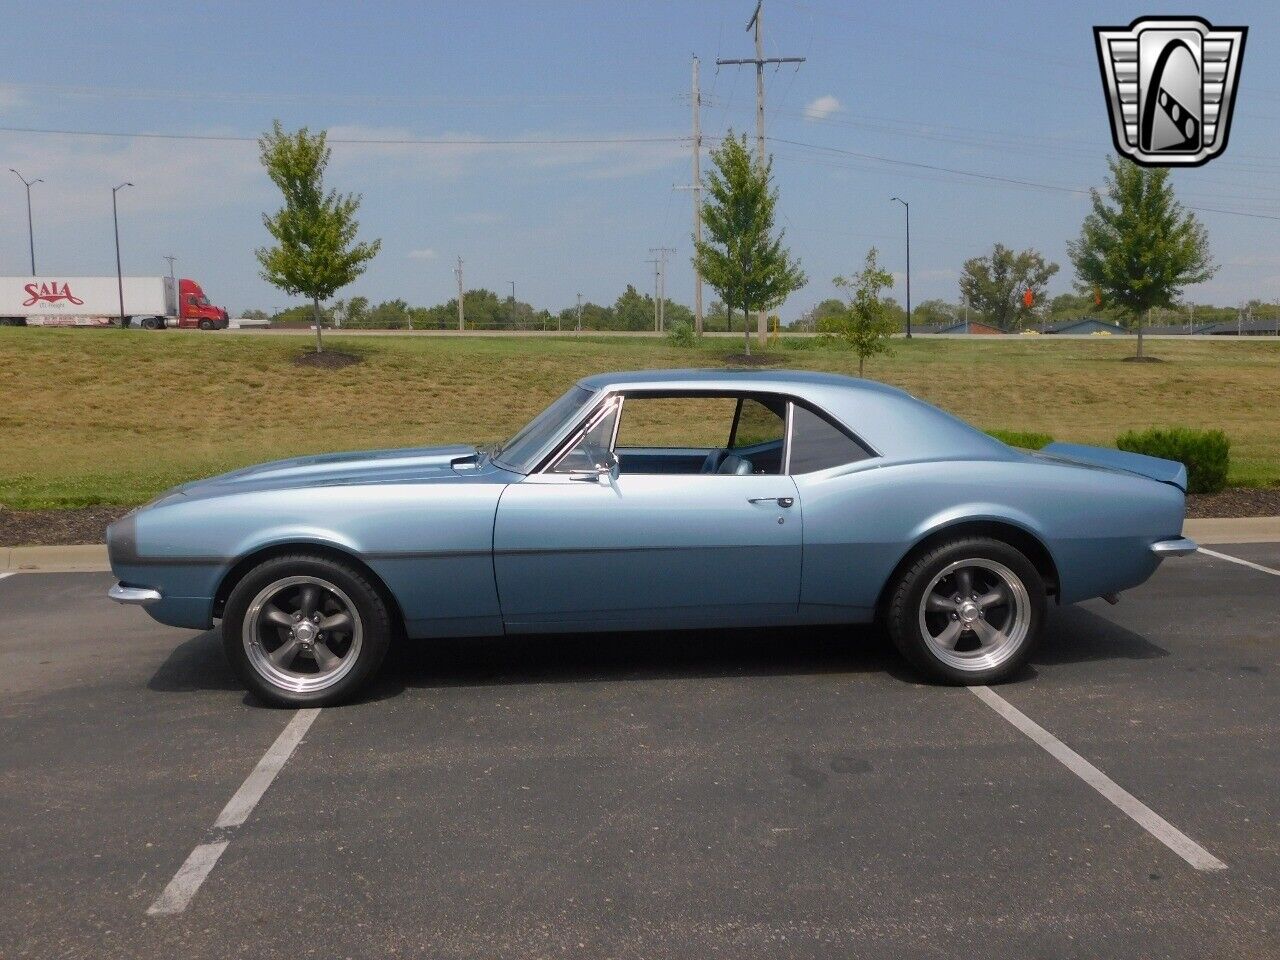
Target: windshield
x=520, y=451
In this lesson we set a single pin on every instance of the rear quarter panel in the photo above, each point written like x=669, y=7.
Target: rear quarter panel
x=1097, y=525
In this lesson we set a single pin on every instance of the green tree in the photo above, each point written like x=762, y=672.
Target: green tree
x=315, y=253
x=936, y=313
x=1138, y=247
x=996, y=285
x=633, y=310
x=742, y=259
x=867, y=323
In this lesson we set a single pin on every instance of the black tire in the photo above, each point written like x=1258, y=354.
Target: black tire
x=904, y=613
x=151, y=323
x=372, y=618
x=206, y=324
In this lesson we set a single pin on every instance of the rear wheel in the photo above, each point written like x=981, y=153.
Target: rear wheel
x=151, y=323
x=968, y=611
x=305, y=631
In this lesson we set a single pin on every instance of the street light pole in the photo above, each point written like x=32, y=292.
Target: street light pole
x=31, y=236
x=115, y=221
x=907, y=207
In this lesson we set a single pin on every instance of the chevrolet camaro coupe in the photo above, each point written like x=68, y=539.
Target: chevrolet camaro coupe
x=655, y=501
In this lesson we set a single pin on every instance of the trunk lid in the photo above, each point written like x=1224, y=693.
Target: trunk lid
x=1166, y=471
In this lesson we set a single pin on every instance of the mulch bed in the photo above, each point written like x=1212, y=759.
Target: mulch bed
x=1235, y=502
x=327, y=360
x=61, y=527
x=54, y=528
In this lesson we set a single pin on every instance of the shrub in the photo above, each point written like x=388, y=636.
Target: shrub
x=1022, y=438
x=680, y=334
x=1205, y=453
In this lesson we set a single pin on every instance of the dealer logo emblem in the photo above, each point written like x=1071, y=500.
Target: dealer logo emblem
x=1171, y=86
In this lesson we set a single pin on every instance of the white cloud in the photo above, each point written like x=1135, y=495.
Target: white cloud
x=822, y=108
x=425, y=253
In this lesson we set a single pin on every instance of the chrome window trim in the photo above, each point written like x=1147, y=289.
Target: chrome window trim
x=786, y=437
x=598, y=413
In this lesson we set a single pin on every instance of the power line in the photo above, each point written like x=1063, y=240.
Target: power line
x=1014, y=181
x=386, y=141
x=351, y=99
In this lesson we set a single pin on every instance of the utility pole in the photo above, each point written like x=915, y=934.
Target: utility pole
x=696, y=189
x=462, y=316
x=906, y=206
x=579, y=330
x=662, y=284
x=657, y=262
x=513, y=303
x=173, y=281
x=31, y=234
x=115, y=221
x=760, y=60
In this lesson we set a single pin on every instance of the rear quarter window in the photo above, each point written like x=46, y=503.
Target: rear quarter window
x=817, y=443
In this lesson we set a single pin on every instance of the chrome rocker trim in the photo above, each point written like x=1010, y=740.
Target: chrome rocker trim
x=1174, y=548
x=138, y=596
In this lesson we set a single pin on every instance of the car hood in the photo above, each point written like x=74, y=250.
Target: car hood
x=404, y=465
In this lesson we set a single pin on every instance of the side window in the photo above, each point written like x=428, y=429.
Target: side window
x=671, y=422
x=722, y=434
x=758, y=423
x=594, y=446
x=817, y=443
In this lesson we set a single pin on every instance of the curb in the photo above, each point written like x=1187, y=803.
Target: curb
x=90, y=558
x=93, y=558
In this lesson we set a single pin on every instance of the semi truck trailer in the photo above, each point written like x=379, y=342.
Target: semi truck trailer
x=150, y=302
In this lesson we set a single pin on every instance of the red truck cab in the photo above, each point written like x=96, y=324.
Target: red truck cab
x=195, y=310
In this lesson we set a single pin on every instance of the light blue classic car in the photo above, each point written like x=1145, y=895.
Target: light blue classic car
x=655, y=500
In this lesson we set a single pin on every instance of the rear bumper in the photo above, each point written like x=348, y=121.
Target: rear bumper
x=1174, y=548
x=135, y=596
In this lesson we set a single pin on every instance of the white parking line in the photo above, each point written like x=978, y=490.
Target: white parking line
x=7, y=573
x=1243, y=563
x=201, y=861
x=1139, y=812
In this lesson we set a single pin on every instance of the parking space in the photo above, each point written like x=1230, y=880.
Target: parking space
x=744, y=794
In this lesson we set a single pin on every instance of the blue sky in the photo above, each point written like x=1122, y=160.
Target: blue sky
x=1005, y=90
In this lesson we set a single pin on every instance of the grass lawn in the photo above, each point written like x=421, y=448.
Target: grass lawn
x=112, y=417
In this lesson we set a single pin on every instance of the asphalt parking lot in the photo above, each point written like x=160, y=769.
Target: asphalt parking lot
x=784, y=793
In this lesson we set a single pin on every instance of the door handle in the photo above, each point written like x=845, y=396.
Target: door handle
x=780, y=501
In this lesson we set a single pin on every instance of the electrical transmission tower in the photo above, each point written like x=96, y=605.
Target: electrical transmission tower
x=759, y=60
x=660, y=304
x=462, y=316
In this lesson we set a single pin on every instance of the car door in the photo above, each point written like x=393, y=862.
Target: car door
x=646, y=550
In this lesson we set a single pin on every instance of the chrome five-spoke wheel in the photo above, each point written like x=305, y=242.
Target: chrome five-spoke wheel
x=302, y=634
x=974, y=614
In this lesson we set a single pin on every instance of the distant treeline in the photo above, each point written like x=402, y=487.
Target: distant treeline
x=486, y=310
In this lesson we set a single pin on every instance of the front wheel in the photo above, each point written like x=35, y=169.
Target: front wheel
x=968, y=611
x=305, y=631
x=206, y=324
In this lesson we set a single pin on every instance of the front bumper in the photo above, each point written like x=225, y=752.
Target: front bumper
x=136, y=596
x=1179, y=547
